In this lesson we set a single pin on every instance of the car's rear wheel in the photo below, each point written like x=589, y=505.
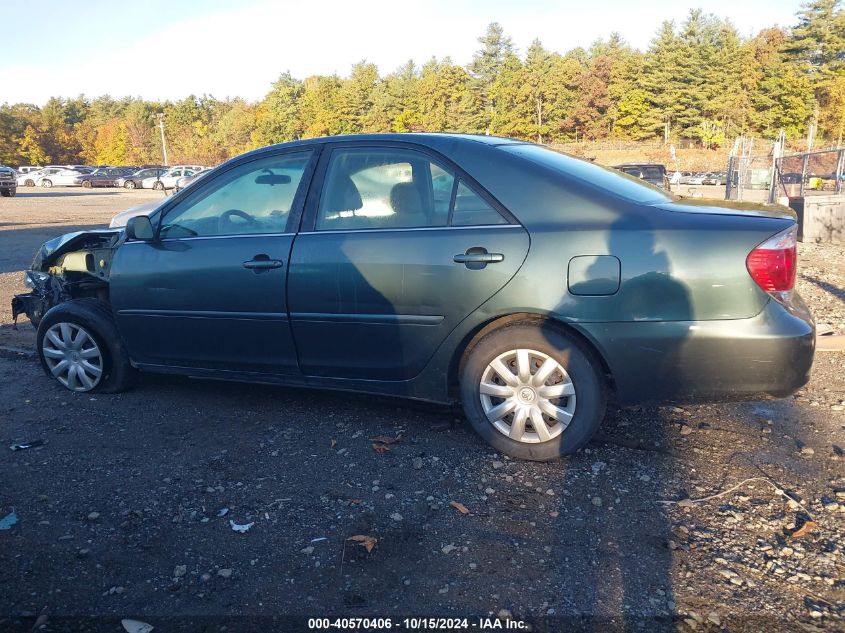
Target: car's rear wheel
x=29, y=183
x=7, y=193
x=86, y=184
x=532, y=392
x=129, y=184
x=79, y=346
x=46, y=183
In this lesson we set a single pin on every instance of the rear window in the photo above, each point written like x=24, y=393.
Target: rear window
x=652, y=171
x=610, y=180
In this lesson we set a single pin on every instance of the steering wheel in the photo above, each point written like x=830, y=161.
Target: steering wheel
x=226, y=218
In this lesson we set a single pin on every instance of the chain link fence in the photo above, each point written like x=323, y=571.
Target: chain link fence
x=769, y=179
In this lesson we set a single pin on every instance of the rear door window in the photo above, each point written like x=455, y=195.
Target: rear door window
x=396, y=188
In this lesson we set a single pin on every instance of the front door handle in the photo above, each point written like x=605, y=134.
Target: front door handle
x=477, y=258
x=263, y=262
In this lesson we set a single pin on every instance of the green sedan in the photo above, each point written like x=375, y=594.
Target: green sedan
x=528, y=284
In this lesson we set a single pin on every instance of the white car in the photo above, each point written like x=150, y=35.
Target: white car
x=61, y=176
x=120, y=220
x=28, y=179
x=168, y=179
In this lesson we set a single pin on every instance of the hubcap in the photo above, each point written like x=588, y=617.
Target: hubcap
x=73, y=356
x=527, y=395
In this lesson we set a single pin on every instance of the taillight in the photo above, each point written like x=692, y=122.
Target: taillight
x=773, y=263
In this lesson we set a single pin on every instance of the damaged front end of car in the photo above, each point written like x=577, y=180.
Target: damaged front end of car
x=71, y=266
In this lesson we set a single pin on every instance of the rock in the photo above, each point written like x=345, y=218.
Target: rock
x=180, y=571
x=307, y=550
x=504, y=614
x=597, y=501
x=93, y=516
x=417, y=463
x=446, y=549
x=489, y=491
x=116, y=590
x=83, y=553
x=714, y=618
x=597, y=467
x=787, y=551
x=443, y=590
x=685, y=430
x=807, y=451
x=497, y=464
x=550, y=492
x=205, y=577
x=225, y=573
x=396, y=516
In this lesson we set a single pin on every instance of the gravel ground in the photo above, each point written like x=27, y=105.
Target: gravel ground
x=128, y=508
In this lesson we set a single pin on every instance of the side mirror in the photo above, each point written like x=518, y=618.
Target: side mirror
x=140, y=228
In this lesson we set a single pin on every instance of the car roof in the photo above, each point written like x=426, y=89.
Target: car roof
x=430, y=139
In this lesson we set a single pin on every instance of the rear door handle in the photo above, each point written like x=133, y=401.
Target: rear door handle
x=263, y=262
x=477, y=257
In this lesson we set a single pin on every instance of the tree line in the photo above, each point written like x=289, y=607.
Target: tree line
x=700, y=82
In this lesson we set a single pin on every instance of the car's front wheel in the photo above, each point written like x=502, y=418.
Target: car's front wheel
x=46, y=183
x=158, y=185
x=79, y=346
x=129, y=184
x=532, y=392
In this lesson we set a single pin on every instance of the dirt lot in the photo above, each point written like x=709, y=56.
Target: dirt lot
x=126, y=510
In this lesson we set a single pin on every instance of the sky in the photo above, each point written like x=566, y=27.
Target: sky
x=169, y=49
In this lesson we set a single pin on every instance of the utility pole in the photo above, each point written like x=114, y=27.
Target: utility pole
x=160, y=116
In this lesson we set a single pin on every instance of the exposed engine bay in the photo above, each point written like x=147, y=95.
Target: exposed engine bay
x=71, y=266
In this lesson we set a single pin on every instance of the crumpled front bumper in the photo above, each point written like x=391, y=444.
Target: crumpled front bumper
x=47, y=291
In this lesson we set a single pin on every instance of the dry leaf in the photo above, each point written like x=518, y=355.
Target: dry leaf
x=334, y=442
x=355, y=502
x=386, y=439
x=367, y=542
x=380, y=448
x=804, y=530
x=460, y=507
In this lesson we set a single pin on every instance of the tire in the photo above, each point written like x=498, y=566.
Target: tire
x=129, y=184
x=64, y=322
x=46, y=183
x=87, y=184
x=29, y=183
x=573, y=368
x=7, y=193
x=158, y=185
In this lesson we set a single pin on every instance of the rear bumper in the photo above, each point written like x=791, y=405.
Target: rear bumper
x=769, y=355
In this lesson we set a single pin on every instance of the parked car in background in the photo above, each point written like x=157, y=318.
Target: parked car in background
x=558, y=284
x=58, y=176
x=184, y=181
x=8, y=182
x=134, y=180
x=652, y=173
x=168, y=179
x=120, y=219
x=28, y=179
x=715, y=178
x=26, y=169
x=696, y=179
x=103, y=177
